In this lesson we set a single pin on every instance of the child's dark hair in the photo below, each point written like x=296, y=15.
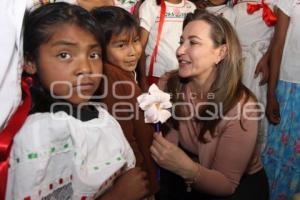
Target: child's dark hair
x=38, y=24
x=113, y=20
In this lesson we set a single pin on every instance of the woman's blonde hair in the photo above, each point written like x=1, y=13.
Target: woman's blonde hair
x=227, y=88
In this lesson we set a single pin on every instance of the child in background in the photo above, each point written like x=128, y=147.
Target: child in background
x=62, y=150
x=160, y=36
x=254, y=27
x=220, y=7
x=121, y=52
x=129, y=5
x=217, y=7
x=281, y=156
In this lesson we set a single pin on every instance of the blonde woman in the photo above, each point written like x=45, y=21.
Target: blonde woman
x=215, y=119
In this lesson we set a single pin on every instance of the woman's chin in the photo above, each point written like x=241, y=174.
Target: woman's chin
x=184, y=74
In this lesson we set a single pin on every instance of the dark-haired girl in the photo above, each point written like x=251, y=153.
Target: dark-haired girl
x=121, y=53
x=67, y=148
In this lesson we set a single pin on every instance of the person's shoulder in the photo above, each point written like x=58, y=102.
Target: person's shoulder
x=149, y=3
x=41, y=129
x=190, y=5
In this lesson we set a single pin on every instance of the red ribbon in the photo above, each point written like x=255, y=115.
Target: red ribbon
x=155, y=50
x=268, y=15
x=7, y=135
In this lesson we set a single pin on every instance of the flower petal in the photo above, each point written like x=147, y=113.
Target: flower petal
x=151, y=115
x=164, y=115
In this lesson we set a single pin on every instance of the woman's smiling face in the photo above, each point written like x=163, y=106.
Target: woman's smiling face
x=197, y=54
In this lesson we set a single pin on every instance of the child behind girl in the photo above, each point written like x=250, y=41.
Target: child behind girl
x=220, y=7
x=162, y=33
x=121, y=52
x=255, y=30
x=281, y=157
x=66, y=149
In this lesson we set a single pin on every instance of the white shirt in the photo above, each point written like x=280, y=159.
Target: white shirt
x=290, y=63
x=250, y=27
x=172, y=28
x=11, y=50
x=58, y=156
x=223, y=10
x=126, y=4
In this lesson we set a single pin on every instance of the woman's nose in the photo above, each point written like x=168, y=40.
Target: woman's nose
x=180, y=50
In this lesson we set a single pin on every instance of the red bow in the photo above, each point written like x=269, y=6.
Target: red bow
x=7, y=135
x=268, y=15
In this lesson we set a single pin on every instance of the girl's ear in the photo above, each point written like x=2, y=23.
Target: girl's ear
x=222, y=53
x=29, y=66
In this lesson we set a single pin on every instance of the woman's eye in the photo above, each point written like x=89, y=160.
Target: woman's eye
x=193, y=42
x=95, y=55
x=181, y=41
x=64, y=56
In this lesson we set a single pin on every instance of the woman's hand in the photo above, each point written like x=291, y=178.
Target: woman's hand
x=272, y=110
x=172, y=158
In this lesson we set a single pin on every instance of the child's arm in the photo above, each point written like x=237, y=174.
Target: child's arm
x=132, y=185
x=263, y=66
x=272, y=110
x=141, y=69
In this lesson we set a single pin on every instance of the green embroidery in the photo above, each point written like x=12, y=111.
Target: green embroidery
x=18, y=160
x=52, y=149
x=66, y=146
x=118, y=158
x=107, y=163
x=32, y=156
x=96, y=168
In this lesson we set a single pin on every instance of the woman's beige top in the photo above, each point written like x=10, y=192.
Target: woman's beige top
x=229, y=154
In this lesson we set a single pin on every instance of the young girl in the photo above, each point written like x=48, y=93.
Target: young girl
x=161, y=27
x=121, y=52
x=282, y=153
x=254, y=22
x=62, y=150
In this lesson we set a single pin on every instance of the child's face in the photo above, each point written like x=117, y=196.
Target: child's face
x=70, y=64
x=124, y=50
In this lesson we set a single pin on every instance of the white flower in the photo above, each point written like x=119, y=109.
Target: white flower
x=155, y=104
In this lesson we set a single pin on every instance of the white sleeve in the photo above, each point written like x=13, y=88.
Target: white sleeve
x=148, y=13
x=11, y=19
x=11, y=51
x=286, y=6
